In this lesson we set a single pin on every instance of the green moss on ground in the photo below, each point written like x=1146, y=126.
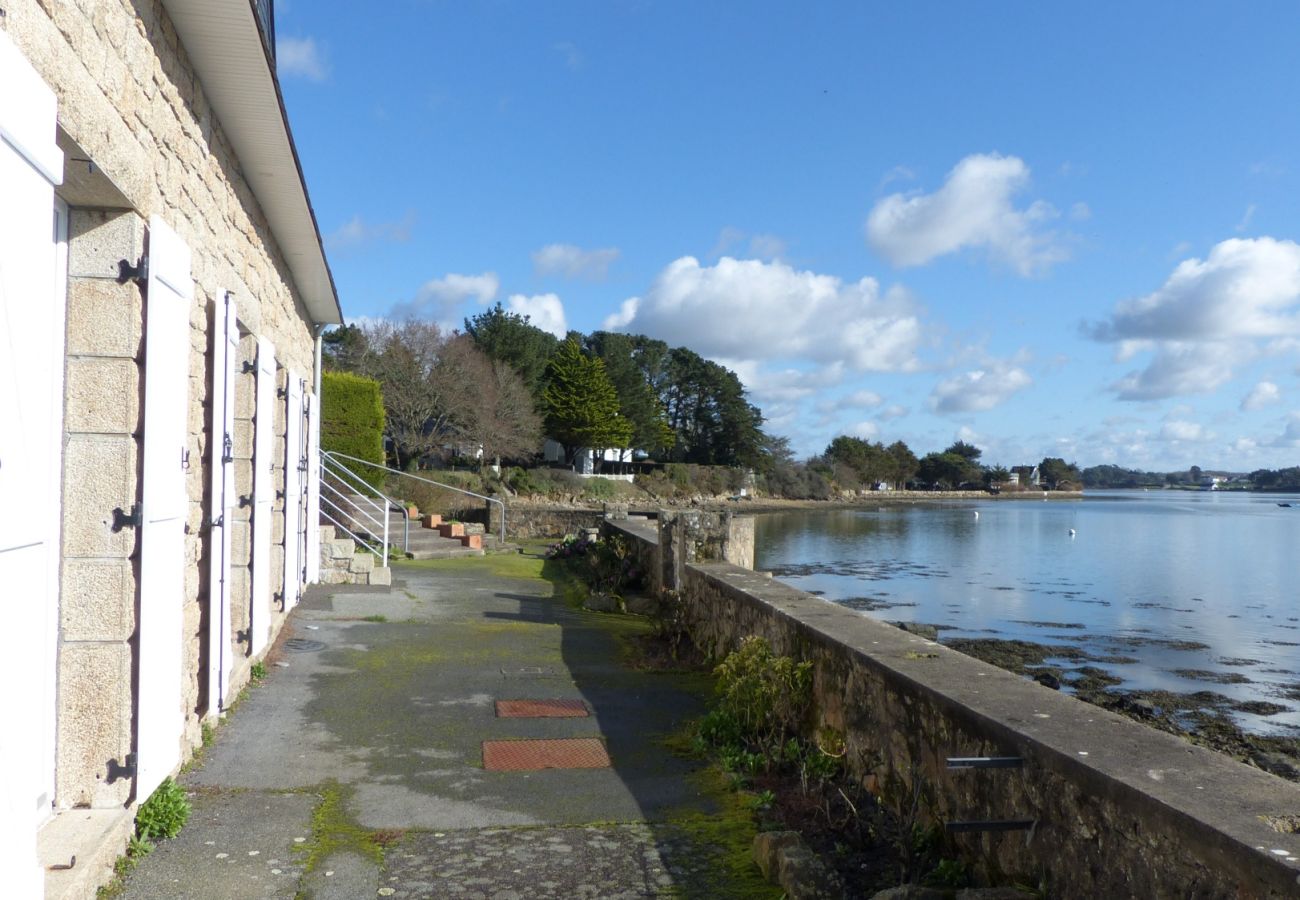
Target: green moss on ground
x=715, y=848
x=332, y=831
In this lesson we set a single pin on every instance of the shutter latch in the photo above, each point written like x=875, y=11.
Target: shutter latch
x=133, y=519
x=139, y=273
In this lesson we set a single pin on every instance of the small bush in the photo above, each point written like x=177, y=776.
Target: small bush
x=768, y=695
x=606, y=566
x=164, y=814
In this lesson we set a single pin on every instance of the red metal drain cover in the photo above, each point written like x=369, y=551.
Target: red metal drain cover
x=540, y=709
x=564, y=753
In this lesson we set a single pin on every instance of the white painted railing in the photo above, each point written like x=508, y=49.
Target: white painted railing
x=357, y=508
x=335, y=457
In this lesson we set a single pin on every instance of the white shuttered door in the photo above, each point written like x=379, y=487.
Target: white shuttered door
x=263, y=494
x=292, y=489
x=312, y=490
x=162, y=540
x=31, y=359
x=225, y=350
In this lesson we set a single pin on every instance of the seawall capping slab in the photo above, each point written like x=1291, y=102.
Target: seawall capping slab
x=1214, y=801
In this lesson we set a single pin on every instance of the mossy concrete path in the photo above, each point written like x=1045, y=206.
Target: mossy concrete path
x=355, y=768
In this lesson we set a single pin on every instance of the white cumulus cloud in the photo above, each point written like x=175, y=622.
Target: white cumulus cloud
x=626, y=313
x=1208, y=318
x=1290, y=436
x=1179, y=368
x=972, y=210
x=439, y=298
x=1181, y=430
x=300, y=57
x=1246, y=287
x=1261, y=395
x=570, y=261
x=543, y=310
x=762, y=311
x=980, y=389
x=859, y=400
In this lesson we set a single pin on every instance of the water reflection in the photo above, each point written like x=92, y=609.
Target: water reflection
x=1194, y=588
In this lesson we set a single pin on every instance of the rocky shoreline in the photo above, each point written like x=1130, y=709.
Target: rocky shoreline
x=1202, y=717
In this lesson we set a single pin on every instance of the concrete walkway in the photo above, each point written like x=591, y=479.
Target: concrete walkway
x=355, y=769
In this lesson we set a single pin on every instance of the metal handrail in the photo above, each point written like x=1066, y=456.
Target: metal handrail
x=356, y=518
x=338, y=470
x=335, y=455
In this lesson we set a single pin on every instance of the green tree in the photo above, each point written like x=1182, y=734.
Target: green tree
x=629, y=361
x=949, y=470
x=514, y=340
x=996, y=475
x=344, y=349
x=580, y=405
x=904, y=463
x=714, y=422
x=968, y=452
x=870, y=463
x=1057, y=474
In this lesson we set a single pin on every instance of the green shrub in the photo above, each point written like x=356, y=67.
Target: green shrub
x=352, y=421
x=768, y=695
x=164, y=814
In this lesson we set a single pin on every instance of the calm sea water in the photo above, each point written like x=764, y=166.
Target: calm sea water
x=1202, y=582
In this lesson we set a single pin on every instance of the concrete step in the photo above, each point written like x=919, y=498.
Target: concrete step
x=90, y=838
x=445, y=553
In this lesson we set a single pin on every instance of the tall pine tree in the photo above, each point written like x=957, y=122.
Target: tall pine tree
x=580, y=404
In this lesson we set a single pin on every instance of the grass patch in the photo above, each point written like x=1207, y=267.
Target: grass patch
x=332, y=831
x=376, y=618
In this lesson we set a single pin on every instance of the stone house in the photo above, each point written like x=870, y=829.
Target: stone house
x=162, y=291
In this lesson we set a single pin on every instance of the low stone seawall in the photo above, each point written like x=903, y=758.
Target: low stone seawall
x=1118, y=809
x=531, y=522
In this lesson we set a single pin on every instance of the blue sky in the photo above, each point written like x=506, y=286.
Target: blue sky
x=1066, y=232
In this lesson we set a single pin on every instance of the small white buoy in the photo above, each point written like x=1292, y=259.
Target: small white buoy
x=1071, y=532
x=977, y=513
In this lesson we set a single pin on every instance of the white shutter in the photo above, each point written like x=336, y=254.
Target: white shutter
x=31, y=366
x=263, y=495
x=312, y=488
x=292, y=489
x=164, y=501
x=225, y=350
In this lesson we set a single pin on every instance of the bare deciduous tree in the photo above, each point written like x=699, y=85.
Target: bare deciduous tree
x=406, y=358
x=495, y=414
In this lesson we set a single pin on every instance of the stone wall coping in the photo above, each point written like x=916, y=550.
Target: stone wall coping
x=641, y=529
x=1198, y=791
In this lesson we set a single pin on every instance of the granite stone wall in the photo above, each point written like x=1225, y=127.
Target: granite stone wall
x=132, y=113
x=1118, y=809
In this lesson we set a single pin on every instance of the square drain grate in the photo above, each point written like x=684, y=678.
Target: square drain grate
x=526, y=756
x=540, y=709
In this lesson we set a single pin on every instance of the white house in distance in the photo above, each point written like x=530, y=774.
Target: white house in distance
x=162, y=290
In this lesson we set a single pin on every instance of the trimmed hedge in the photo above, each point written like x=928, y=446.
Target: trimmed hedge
x=352, y=421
